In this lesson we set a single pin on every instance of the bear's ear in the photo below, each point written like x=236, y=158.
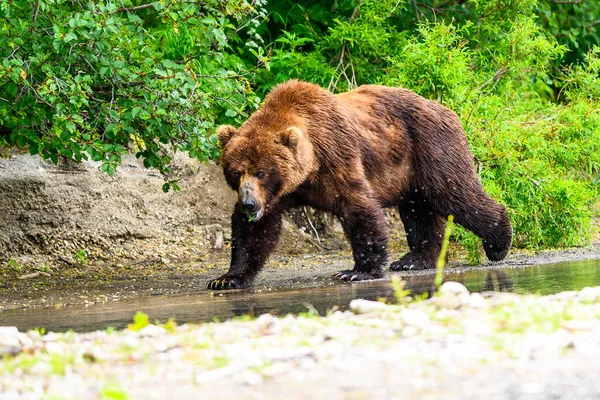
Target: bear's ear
x=225, y=133
x=290, y=137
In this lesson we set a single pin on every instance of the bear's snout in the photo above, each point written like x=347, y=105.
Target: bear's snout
x=248, y=205
x=250, y=201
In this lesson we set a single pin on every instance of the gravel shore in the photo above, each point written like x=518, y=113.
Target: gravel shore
x=455, y=346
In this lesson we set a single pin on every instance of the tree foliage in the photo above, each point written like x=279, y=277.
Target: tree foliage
x=93, y=80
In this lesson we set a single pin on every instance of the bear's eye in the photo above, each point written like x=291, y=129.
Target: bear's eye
x=260, y=174
x=237, y=174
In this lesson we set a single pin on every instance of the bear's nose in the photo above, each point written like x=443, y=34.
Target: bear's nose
x=248, y=205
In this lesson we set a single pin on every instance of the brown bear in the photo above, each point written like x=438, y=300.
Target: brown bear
x=352, y=154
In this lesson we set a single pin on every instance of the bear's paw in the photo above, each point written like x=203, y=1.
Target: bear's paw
x=227, y=282
x=355, y=276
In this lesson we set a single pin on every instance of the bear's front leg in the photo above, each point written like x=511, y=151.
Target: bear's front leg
x=365, y=227
x=251, y=244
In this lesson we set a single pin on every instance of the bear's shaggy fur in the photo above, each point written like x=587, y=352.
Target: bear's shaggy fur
x=352, y=154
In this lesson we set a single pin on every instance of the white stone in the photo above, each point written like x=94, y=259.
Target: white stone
x=410, y=331
x=361, y=306
x=266, y=324
x=577, y=325
x=477, y=302
x=448, y=301
x=54, y=348
x=9, y=336
x=415, y=318
x=452, y=295
x=251, y=378
x=589, y=294
x=152, y=331
x=453, y=288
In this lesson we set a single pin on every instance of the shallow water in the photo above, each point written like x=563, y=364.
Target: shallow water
x=543, y=279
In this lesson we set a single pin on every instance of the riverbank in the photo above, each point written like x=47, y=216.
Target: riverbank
x=459, y=345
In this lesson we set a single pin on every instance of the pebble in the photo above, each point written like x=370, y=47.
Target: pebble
x=410, y=331
x=361, y=306
x=54, y=348
x=589, y=294
x=577, y=325
x=454, y=288
x=452, y=295
x=218, y=241
x=10, y=337
x=416, y=318
x=266, y=324
x=152, y=331
x=477, y=302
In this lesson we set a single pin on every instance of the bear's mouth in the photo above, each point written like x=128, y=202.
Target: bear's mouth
x=255, y=216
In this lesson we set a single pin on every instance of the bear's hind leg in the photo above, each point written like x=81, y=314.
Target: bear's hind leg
x=479, y=213
x=424, y=233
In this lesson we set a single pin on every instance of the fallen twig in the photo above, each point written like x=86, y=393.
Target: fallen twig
x=35, y=275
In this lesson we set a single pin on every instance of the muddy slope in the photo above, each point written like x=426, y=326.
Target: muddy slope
x=49, y=211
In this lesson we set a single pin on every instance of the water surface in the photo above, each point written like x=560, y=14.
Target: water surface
x=543, y=279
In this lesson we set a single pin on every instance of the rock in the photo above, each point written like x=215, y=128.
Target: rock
x=252, y=378
x=9, y=350
x=361, y=306
x=95, y=354
x=454, y=288
x=452, y=295
x=9, y=336
x=266, y=324
x=219, y=241
x=577, y=325
x=416, y=318
x=152, y=331
x=589, y=294
x=276, y=369
x=410, y=331
x=477, y=302
x=54, y=348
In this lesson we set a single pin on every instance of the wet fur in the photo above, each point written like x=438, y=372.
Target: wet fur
x=353, y=154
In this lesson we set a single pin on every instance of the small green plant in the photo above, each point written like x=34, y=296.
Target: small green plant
x=140, y=321
x=81, y=257
x=40, y=331
x=170, y=325
x=441, y=262
x=113, y=391
x=60, y=362
x=14, y=265
x=400, y=294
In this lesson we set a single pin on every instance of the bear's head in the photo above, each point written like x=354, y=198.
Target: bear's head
x=264, y=165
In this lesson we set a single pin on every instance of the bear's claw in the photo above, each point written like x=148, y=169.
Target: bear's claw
x=412, y=262
x=225, y=283
x=353, y=276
